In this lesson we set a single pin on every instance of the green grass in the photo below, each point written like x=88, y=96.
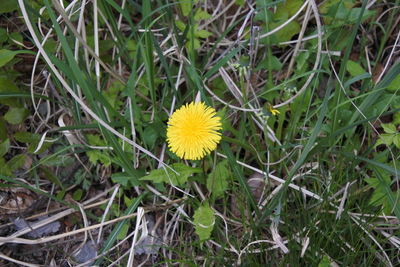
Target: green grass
x=306, y=186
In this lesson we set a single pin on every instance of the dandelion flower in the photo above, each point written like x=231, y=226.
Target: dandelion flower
x=192, y=131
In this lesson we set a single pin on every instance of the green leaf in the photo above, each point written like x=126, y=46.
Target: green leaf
x=3, y=35
x=396, y=140
x=354, y=68
x=386, y=139
x=286, y=33
x=16, y=115
x=389, y=128
x=204, y=220
x=115, y=232
x=17, y=162
x=4, y=146
x=4, y=169
x=123, y=232
x=240, y=2
x=325, y=262
x=396, y=117
x=8, y=87
x=151, y=133
x=203, y=34
x=48, y=173
x=186, y=6
x=201, y=14
x=6, y=56
x=379, y=197
x=217, y=180
x=77, y=195
x=275, y=64
x=124, y=179
x=168, y=176
x=98, y=155
x=7, y=6
x=394, y=84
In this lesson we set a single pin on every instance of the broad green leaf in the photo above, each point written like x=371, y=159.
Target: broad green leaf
x=201, y=14
x=204, y=220
x=4, y=146
x=8, y=87
x=3, y=129
x=202, y=33
x=396, y=140
x=386, y=139
x=6, y=56
x=26, y=137
x=217, y=182
x=389, y=128
x=7, y=6
x=396, y=118
x=354, y=68
x=275, y=64
x=394, y=84
x=325, y=262
x=168, y=176
x=77, y=195
x=287, y=9
x=240, y=2
x=151, y=133
x=286, y=33
x=186, y=6
x=3, y=35
x=4, y=169
x=17, y=162
x=16, y=115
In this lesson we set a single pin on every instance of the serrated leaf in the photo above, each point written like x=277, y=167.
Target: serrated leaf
x=217, y=180
x=168, y=176
x=16, y=115
x=380, y=196
x=98, y=155
x=204, y=220
x=124, y=179
x=389, y=128
x=354, y=68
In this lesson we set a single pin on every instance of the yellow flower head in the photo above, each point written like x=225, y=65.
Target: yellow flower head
x=192, y=131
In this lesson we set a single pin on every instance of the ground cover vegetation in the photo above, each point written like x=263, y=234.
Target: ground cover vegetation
x=199, y=133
